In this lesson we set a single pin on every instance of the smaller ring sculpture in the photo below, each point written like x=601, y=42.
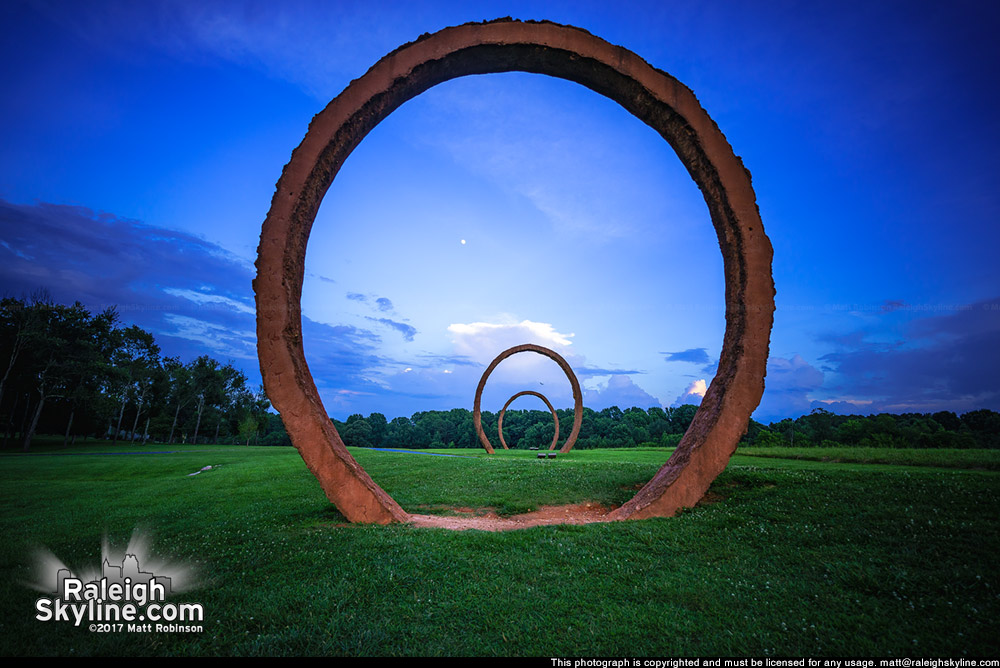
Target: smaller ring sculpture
x=555, y=438
x=477, y=416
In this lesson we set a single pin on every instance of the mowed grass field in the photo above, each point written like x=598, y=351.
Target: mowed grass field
x=787, y=557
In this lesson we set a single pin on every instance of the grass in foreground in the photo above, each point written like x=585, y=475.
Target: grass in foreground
x=794, y=557
x=942, y=458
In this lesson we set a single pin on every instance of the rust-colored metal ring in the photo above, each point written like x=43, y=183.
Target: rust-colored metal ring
x=477, y=416
x=505, y=45
x=503, y=411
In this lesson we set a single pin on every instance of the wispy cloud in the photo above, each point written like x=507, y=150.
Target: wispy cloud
x=586, y=371
x=556, y=147
x=215, y=338
x=408, y=331
x=447, y=360
x=692, y=355
x=289, y=41
x=202, y=298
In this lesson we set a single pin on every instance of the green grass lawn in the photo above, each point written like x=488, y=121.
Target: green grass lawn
x=895, y=554
x=960, y=459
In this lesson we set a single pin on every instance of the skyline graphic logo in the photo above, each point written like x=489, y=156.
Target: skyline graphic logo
x=120, y=596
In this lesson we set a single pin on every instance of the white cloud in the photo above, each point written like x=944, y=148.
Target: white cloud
x=694, y=393
x=619, y=391
x=483, y=341
x=475, y=345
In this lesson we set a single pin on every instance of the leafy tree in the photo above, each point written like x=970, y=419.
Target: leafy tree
x=182, y=389
x=88, y=368
x=379, y=428
x=54, y=348
x=947, y=420
x=612, y=413
x=19, y=323
x=134, y=362
x=681, y=417
x=248, y=428
x=357, y=432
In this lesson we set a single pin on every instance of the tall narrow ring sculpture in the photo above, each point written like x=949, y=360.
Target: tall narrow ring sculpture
x=505, y=45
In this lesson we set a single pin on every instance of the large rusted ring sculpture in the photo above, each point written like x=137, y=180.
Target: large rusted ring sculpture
x=503, y=411
x=651, y=95
x=477, y=416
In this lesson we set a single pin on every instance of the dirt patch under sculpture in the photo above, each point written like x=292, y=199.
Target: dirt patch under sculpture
x=579, y=513
x=505, y=45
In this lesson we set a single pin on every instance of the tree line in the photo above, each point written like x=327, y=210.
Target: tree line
x=821, y=428
x=64, y=370
x=635, y=427
x=608, y=428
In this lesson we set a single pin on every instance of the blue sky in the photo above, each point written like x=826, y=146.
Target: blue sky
x=142, y=141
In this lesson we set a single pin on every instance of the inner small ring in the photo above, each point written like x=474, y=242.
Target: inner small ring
x=555, y=438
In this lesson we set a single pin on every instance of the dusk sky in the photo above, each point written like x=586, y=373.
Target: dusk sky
x=142, y=142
